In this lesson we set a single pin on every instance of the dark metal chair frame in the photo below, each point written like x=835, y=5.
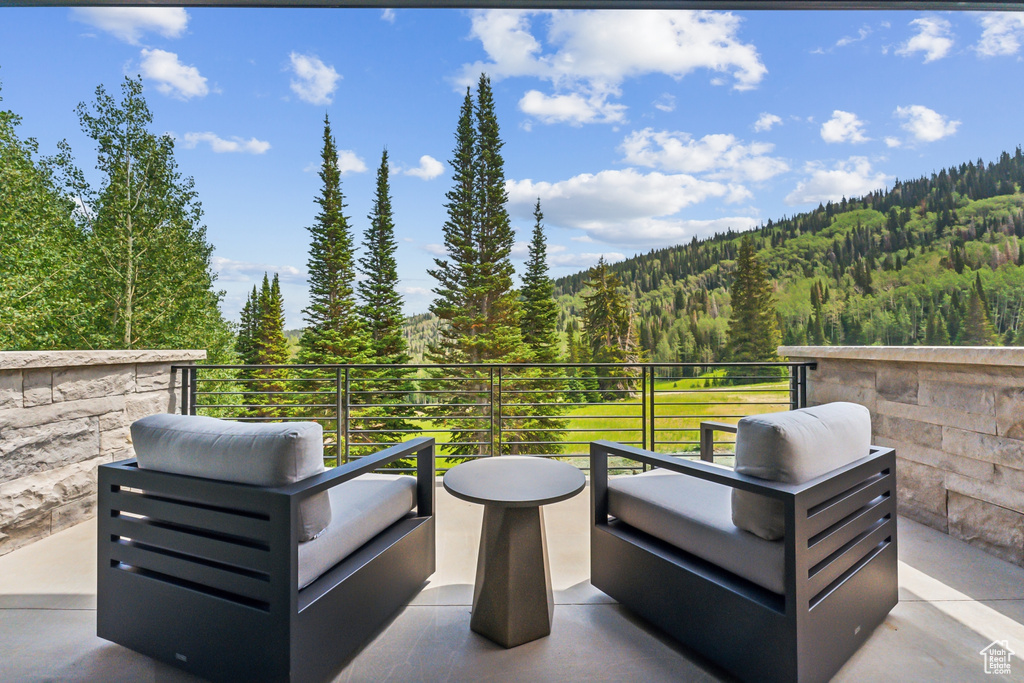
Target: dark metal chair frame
x=202, y=574
x=840, y=549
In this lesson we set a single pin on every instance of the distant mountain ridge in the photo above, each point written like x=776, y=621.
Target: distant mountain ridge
x=886, y=268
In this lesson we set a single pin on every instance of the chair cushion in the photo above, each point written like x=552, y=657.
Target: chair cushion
x=694, y=515
x=793, y=447
x=262, y=454
x=363, y=507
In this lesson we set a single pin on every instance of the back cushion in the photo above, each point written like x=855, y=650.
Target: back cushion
x=793, y=447
x=241, y=452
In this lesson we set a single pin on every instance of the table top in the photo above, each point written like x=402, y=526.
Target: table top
x=514, y=481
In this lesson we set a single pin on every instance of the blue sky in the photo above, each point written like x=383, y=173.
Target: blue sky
x=637, y=130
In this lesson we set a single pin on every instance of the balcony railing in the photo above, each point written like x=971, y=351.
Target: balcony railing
x=482, y=410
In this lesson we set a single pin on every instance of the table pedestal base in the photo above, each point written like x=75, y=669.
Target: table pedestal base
x=512, y=601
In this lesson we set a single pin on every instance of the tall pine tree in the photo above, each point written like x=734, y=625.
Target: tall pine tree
x=753, y=325
x=611, y=330
x=977, y=328
x=334, y=333
x=268, y=347
x=540, y=311
x=475, y=300
x=533, y=425
x=381, y=311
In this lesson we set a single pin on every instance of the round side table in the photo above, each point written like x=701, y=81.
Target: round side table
x=512, y=601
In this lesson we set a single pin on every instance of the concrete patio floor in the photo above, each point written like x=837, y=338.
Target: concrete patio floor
x=954, y=600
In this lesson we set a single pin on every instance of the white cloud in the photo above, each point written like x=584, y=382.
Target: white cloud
x=843, y=127
x=720, y=156
x=350, y=162
x=766, y=121
x=435, y=249
x=623, y=206
x=892, y=142
x=245, y=271
x=130, y=23
x=862, y=33
x=1001, y=34
x=851, y=178
x=172, y=77
x=926, y=125
x=933, y=38
x=583, y=260
x=314, y=82
x=220, y=145
x=573, y=108
x=416, y=291
x=388, y=15
x=665, y=103
x=428, y=169
x=586, y=55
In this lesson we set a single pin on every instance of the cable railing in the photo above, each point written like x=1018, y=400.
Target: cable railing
x=485, y=410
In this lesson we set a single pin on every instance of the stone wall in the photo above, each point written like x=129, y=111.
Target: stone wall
x=62, y=413
x=955, y=416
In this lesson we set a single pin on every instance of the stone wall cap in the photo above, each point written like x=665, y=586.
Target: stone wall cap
x=23, y=360
x=956, y=355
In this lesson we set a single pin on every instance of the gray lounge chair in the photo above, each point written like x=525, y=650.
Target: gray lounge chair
x=776, y=571
x=228, y=551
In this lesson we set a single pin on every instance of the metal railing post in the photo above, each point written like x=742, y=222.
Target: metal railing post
x=192, y=380
x=794, y=387
x=490, y=410
x=501, y=434
x=347, y=408
x=339, y=411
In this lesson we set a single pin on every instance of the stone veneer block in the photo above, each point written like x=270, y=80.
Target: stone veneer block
x=907, y=430
x=37, y=387
x=976, y=399
x=72, y=384
x=115, y=440
x=947, y=462
x=986, y=424
x=994, y=449
x=26, y=504
x=992, y=528
x=827, y=392
x=11, y=395
x=1010, y=412
x=59, y=412
x=44, y=447
x=1008, y=498
x=154, y=377
x=844, y=373
x=897, y=383
x=72, y=513
x=140, y=405
x=921, y=493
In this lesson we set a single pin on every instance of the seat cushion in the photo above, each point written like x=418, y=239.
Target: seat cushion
x=695, y=515
x=262, y=454
x=793, y=447
x=362, y=507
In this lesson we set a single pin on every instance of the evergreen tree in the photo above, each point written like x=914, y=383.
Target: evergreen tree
x=611, y=331
x=476, y=303
x=245, y=342
x=540, y=311
x=753, y=325
x=270, y=348
x=535, y=421
x=977, y=328
x=334, y=332
x=381, y=312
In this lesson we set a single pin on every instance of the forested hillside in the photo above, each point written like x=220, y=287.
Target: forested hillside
x=895, y=267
